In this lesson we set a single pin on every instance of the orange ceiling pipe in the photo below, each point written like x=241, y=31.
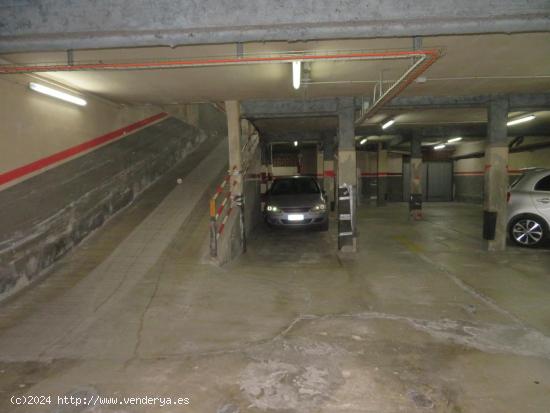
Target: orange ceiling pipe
x=410, y=75
x=430, y=55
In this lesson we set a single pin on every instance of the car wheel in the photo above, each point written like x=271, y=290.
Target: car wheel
x=527, y=231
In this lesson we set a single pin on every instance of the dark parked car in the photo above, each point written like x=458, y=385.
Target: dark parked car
x=296, y=201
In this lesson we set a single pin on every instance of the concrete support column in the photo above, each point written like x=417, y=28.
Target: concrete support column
x=246, y=130
x=270, y=164
x=415, y=201
x=382, y=175
x=319, y=166
x=347, y=172
x=328, y=171
x=496, y=176
x=233, y=113
x=193, y=115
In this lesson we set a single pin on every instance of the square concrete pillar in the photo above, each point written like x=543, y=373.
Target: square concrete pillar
x=415, y=201
x=233, y=113
x=347, y=169
x=193, y=115
x=328, y=171
x=320, y=166
x=495, y=204
x=382, y=175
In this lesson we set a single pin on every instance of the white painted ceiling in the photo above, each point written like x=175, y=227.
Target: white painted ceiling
x=470, y=65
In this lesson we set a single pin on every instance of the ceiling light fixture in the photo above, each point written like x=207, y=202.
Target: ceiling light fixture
x=296, y=74
x=388, y=124
x=457, y=139
x=57, y=94
x=521, y=120
x=295, y=143
x=438, y=147
x=363, y=141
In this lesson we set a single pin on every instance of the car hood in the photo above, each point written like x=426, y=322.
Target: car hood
x=295, y=201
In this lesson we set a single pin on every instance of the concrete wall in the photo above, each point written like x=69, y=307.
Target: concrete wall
x=230, y=244
x=469, y=173
x=367, y=165
x=252, y=191
x=48, y=214
x=33, y=126
x=309, y=160
x=47, y=210
x=285, y=161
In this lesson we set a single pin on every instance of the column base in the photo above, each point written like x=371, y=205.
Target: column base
x=415, y=206
x=416, y=214
x=352, y=247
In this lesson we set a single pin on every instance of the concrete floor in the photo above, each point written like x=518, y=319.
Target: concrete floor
x=420, y=319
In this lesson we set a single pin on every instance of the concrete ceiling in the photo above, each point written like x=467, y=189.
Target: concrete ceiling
x=470, y=65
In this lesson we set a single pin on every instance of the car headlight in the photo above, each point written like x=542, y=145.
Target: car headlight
x=272, y=208
x=319, y=207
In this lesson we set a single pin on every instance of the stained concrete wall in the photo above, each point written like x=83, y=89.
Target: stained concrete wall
x=33, y=126
x=46, y=215
x=367, y=165
x=308, y=160
x=230, y=244
x=49, y=211
x=252, y=192
x=468, y=173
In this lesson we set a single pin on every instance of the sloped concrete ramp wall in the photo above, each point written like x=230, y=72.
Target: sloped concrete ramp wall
x=46, y=215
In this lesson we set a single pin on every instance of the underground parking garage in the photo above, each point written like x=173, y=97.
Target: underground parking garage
x=260, y=207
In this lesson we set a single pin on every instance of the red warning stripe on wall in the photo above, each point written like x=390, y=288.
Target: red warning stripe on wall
x=75, y=150
x=381, y=174
x=482, y=173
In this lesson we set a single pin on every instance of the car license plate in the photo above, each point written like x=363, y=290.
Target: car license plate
x=295, y=217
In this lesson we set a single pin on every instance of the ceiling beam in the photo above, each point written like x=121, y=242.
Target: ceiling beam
x=516, y=101
x=67, y=24
x=476, y=130
x=303, y=136
x=261, y=109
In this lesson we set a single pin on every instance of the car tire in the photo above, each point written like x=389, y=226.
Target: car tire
x=528, y=230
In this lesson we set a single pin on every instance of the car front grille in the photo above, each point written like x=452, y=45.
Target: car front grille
x=292, y=210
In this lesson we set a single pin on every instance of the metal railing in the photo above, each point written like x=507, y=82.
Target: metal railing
x=220, y=210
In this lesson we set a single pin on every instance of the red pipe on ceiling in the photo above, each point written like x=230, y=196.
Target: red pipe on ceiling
x=431, y=55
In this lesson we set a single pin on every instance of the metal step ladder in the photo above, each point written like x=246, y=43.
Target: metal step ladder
x=346, y=215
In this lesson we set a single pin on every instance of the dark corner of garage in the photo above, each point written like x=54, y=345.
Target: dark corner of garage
x=257, y=206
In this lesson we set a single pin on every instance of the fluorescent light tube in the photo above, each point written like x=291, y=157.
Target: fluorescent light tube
x=57, y=94
x=438, y=147
x=458, y=139
x=388, y=124
x=296, y=74
x=520, y=120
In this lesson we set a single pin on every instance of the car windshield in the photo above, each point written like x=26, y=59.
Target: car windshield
x=292, y=186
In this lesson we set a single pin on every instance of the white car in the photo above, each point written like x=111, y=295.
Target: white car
x=529, y=208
